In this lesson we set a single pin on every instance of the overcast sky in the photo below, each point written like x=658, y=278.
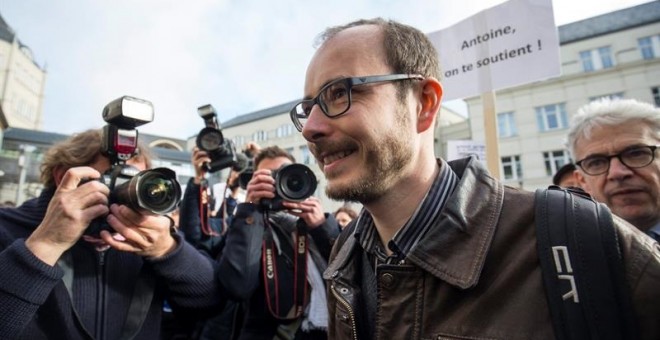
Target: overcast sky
x=240, y=56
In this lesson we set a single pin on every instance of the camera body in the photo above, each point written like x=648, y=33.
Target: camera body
x=293, y=182
x=154, y=191
x=245, y=174
x=210, y=139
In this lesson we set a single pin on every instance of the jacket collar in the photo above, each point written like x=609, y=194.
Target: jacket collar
x=455, y=249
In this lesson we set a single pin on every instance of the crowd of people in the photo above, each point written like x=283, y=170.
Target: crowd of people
x=440, y=249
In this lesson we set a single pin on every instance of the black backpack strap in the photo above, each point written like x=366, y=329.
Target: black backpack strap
x=582, y=268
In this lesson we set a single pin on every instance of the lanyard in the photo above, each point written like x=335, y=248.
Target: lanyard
x=204, y=209
x=271, y=274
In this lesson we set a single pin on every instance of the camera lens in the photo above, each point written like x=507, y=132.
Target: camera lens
x=210, y=139
x=295, y=182
x=155, y=191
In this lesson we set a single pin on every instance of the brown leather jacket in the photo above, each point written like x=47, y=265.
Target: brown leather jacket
x=475, y=275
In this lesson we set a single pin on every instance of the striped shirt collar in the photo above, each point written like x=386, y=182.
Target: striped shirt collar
x=418, y=224
x=655, y=232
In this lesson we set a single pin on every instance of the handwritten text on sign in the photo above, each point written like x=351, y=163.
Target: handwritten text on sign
x=511, y=44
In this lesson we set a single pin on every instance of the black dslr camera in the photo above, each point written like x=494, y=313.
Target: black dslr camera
x=293, y=182
x=154, y=191
x=245, y=174
x=210, y=139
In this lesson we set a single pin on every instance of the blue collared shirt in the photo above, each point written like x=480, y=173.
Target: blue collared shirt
x=655, y=232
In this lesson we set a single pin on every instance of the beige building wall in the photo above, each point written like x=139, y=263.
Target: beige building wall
x=21, y=86
x=630, y=77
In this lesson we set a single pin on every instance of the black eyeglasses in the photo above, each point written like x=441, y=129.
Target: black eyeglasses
x=334, y=99
x=633, y=157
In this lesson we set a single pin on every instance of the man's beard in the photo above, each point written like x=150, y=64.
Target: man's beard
x=385, y=162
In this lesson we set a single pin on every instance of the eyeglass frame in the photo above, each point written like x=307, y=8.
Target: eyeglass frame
x=653, y=148
x=350, y=83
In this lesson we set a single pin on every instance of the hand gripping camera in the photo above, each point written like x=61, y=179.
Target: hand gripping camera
x=154, y=191
x=293, y=182
x=210, y=139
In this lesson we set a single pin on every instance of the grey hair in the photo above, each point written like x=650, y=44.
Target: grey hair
x=608, y=112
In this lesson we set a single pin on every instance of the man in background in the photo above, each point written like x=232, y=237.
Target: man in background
x=273, y=259
x=616, y=145
x=344, y=215
x=564, y=176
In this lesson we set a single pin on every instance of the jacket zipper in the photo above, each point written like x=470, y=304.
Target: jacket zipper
x=100, y=312
x=348, y=307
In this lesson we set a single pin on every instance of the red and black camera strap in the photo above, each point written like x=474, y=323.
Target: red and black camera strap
x=204, y=209
x=270, y=274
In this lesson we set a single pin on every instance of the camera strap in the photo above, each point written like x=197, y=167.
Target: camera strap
x=204, y=209
x=223, y=209
x=271, y=277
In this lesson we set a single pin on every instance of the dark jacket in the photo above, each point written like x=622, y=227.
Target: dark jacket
x=475, y=275
x=90, y=294
x=240, y=270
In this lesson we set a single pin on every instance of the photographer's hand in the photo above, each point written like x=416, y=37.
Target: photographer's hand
x=144, y=235
x=252, y=149
x=310, y=210
x=199, y=158
x=69, y=213
x=262, y=185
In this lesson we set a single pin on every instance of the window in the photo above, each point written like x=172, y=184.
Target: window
x=511, y=168
x=306, y=156
x=587, y=64
x=506, y=125
x=285, y=130
x=260, y=136
x=612, y=96
x=239, y=141
x=656, y=95
x=649, y=46
x=605, y=55
x=555, y=160
x=551, y=117
x=596, y=59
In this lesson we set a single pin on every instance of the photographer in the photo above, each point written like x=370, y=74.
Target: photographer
x=201, y=229
x=207, y=234
x=285, y=292
x=61, y=281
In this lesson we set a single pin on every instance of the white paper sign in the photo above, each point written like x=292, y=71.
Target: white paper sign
x=457, y=149
x=507, y=45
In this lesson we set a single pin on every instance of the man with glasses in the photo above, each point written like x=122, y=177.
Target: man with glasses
x=441, y=249
x=616, y=144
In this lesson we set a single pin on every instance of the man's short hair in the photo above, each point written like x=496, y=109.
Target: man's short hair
x=408, y=50
x=272, y=152
x=80, y=149
x=607, y=112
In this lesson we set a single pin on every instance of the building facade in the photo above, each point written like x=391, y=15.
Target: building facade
x=22, y=83
x=614, y=55
x=23, y=150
